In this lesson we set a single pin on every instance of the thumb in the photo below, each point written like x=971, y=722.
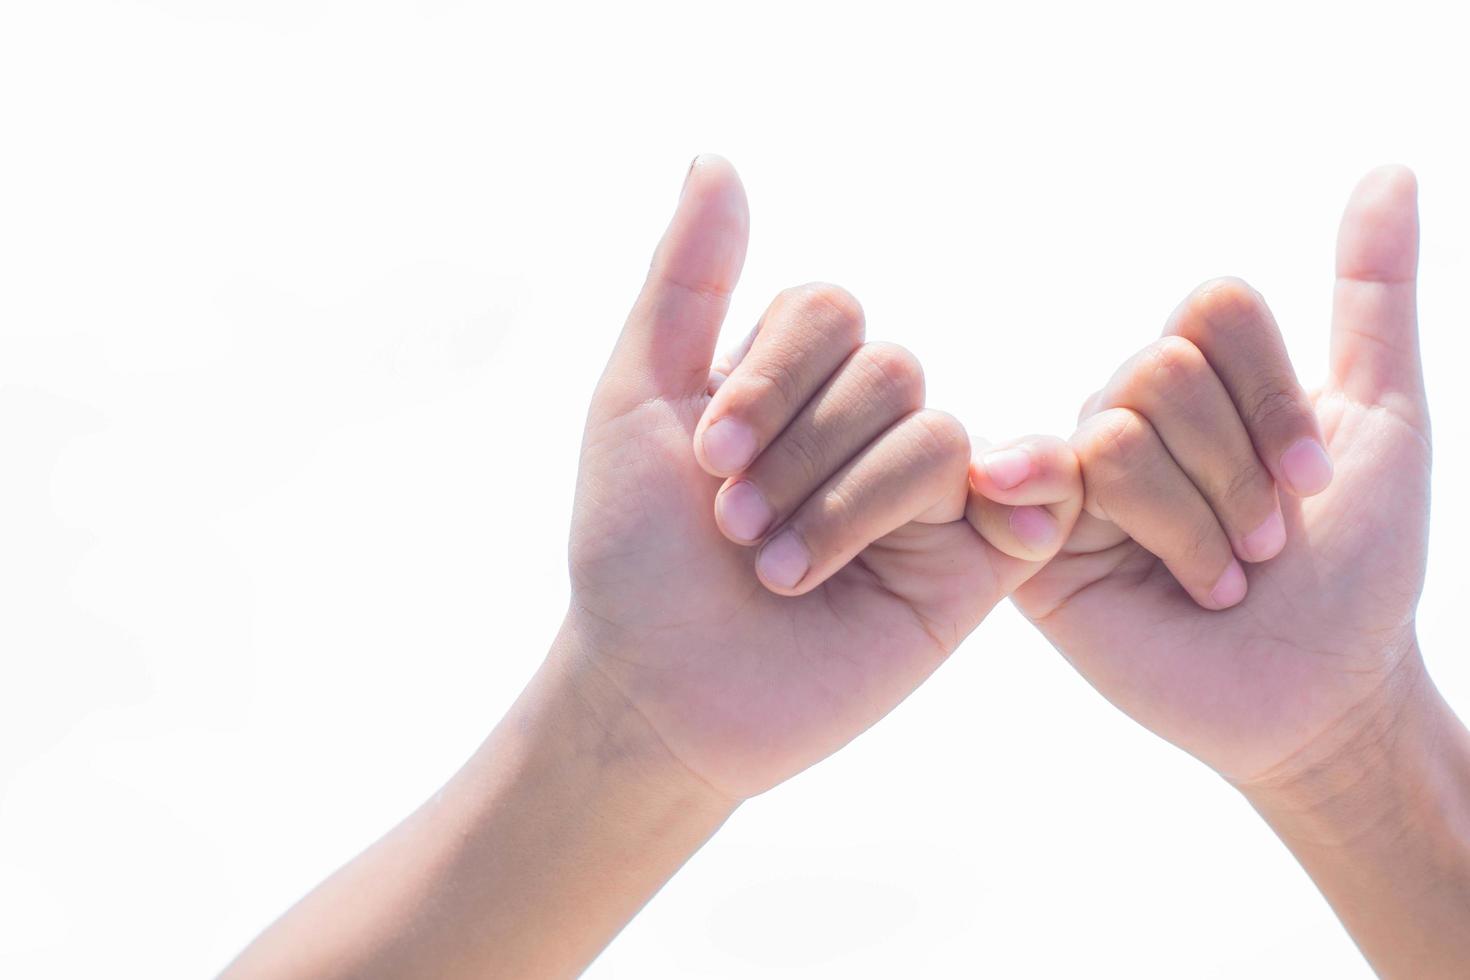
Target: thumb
x=1375, y=327
x=669, y=340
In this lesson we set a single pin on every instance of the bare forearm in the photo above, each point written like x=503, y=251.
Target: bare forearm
x=1382, y=824
x=560, y=827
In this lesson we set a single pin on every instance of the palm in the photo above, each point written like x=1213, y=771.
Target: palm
x=745, y=687
x=788, y=680
x=1326, y=621
x=1245, y=687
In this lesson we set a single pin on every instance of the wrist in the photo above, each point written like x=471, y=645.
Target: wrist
x=1380, y=819
x=567, y=819
x=600, y=727
x=529, y=860
x=1396, y=753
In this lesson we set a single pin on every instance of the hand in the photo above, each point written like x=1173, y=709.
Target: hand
x=1266, y=674
x=720, y=638
x=768, y=555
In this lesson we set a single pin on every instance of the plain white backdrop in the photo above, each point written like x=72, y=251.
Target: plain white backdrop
x=301, y=302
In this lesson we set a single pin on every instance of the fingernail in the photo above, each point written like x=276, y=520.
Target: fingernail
x=1007, y=468
x=743, y=512
x=729, y=445
x=783, y=562
x=1230, y=589
x=689, y=173
x=1033, y=526
x=1307, y=467
x=1266, y=541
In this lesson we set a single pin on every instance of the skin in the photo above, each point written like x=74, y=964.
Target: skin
x=748, y=685
x=1300, y=681
x=712, y=648
x=769, y=551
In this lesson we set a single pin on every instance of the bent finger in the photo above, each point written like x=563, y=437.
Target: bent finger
x=804, y=335
x=913, y=472
x=1231, y=324
x=1172, y=385
x=878, y=385
x=1025, y=496
x=1130, y=479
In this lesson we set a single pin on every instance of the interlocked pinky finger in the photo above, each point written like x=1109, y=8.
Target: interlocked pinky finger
x=1025, y=496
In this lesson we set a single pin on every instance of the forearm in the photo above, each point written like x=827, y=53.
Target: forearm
x=562, y=825
x=1382, y=824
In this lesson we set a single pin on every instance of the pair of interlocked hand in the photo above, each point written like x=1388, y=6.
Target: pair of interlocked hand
x=771, y=550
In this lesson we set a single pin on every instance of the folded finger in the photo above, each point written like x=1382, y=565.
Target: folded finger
x=876, y=386
x=1172, y=385
x=1130, y=479
x=913, y=472
x=802, y=338
x=1231, y=324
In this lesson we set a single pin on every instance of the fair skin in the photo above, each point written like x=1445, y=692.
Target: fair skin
x=744, y=603
x=770, y=550
x=1301, y=681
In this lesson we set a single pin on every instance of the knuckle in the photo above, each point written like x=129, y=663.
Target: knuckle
x=940, y=436
x=828, y=307
x=1198, y=541
x=1226, y=300
x=840, y=506
x=1168, y=366
x=896, y=374
x=1246, y=482
x=802, y=457
x=775, y=377
x=1054, y=458
x=1114, y=441
x=827, y=518
x=1221, y=306
x=1175, y=358
x=1274, y=405
x=1110, y=449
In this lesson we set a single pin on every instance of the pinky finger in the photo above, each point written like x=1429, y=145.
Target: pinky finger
x=1025, y=496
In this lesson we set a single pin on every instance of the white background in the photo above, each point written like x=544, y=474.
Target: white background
x=300, y=306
